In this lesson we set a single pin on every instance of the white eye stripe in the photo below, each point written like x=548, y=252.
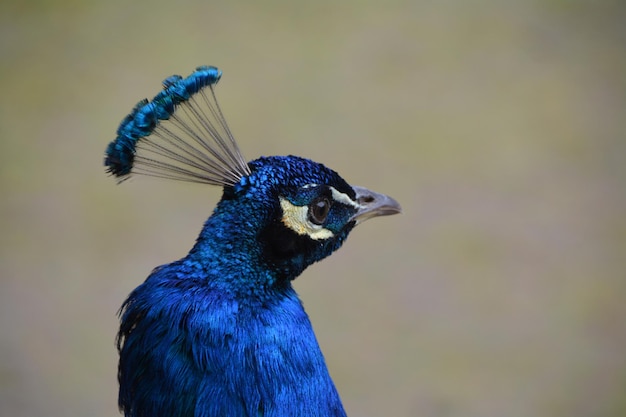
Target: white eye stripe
x=343, y=198
x=297, y=219
x=337, y=195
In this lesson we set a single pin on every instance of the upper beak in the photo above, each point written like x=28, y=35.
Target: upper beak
x=373, y=205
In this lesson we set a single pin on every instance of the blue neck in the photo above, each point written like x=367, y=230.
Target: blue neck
x=249, y=250
x=228, y=250
x=222, y=332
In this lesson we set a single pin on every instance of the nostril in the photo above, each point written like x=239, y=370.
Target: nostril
x=365, y=199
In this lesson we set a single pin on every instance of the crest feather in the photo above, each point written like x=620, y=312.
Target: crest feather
x=180, y=134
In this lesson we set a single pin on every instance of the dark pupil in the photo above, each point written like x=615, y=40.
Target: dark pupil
x=318, y=210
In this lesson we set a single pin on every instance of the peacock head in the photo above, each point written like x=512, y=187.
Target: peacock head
x=303, y=210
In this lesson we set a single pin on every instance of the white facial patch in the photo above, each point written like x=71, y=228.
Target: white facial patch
x=297, y=219
x=343, y=198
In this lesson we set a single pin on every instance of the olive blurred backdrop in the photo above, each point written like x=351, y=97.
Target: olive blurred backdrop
x=499, y=126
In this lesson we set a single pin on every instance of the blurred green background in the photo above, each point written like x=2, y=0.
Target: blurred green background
x=499, y=125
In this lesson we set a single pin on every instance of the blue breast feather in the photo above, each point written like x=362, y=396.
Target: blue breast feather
x=193, y=350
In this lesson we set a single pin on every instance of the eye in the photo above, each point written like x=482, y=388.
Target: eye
x=318, y=210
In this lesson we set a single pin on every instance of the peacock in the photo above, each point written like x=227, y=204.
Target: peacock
x=222, y=332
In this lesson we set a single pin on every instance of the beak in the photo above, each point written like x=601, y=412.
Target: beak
x=373, y=204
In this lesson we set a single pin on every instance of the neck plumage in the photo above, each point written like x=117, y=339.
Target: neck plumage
x=217, y=333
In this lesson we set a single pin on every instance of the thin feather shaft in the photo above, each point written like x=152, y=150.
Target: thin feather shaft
x=181, y=134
